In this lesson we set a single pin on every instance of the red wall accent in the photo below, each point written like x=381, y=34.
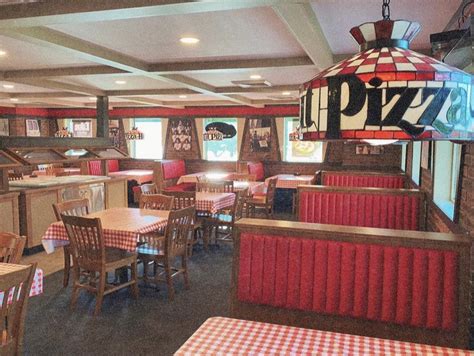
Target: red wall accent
x=38, y=112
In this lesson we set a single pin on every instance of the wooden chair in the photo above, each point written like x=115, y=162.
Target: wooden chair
x=78, y=207
x=14, y=176
x=223, y=222
x=13, y=313
x=11, y=247
x=228, y=186
x=156, y=202
x=243, y=177
x=174, y=245
x=263, y=202
x=91, y=257
x=211, y=187
x=150, y=188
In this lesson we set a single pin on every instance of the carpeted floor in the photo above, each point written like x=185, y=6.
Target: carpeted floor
x=149, y=325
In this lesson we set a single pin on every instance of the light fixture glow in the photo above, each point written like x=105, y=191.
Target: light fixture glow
x=14, y=99
x=8, y=86
x=93, y=98
x=189, y=40
x=286, y=93
x=380, y=142
x=183, y=96
x=255, y=76
x=120, y=82
x=2, y=53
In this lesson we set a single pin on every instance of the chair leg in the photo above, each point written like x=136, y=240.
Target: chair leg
x=184, y=262
x=67, y=265
x=75, y=288
x=206, y=236
x=134, y=286
x=169, y=279
x=100, y=293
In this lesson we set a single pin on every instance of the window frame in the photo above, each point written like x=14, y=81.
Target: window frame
x=416, y=163
x=133, y=147
x=287, y=142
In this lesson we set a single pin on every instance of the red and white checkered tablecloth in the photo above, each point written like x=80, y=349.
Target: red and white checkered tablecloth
x=224, y=336
x=253, y=187
x=290, y=181
x=36, y=286
x=125, y=240
x=212, y=202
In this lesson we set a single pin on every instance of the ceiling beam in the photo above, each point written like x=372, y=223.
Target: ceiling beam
x=53, y=94
x=303, y=24
x=60, y=12
x=101, y=55
x=272, y=89
x=61, y=102
x=151, y=102
x=51, y=84
x=61, y=72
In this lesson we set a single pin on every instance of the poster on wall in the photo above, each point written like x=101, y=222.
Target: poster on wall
x=32, y=128
x=260, y=131
x=181, y=134
x=82, y=128
x=4, y=128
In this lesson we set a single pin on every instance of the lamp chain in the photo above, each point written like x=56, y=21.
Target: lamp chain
x=386, y=9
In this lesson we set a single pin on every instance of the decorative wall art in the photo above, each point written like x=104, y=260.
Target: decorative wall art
x=4, y=127
x=181, y=134
x=181, y=139
x=82, y=128
x=260, y=131
x=260, y=140
x=32, y=128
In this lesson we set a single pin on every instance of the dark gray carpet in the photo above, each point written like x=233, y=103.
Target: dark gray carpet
x=149, y=325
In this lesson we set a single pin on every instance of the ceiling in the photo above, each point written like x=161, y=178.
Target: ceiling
x=65, y=53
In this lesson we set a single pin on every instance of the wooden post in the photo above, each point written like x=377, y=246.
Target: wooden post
x=102, y=116
x=4, y=186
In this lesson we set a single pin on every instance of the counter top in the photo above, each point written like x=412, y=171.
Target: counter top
x=51, y=181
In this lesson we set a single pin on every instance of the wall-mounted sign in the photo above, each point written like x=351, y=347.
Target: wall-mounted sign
x=260, y=131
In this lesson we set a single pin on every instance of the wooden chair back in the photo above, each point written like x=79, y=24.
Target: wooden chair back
x=13, y=313
x=228, y=186
x=271, y=188
x=243, y=177
x=150, y=188
x=87, y=241
x=182, y=200
x=156, y=202
x=77, y=207
x=178, y=231
x=11, y=247
x=239, y=203
x=15, y=176
x=211, y=187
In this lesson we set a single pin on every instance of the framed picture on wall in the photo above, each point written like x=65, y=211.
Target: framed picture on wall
x=425, y=154
x=181, y=134
x=260, y=131
x=4, y=127
x=32, y=128
x=82, y=128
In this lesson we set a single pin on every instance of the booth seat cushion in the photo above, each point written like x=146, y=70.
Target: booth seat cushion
x=257, y=169
x=173, y=169
x=183, y=187
x=113, y=165
x=95, y=168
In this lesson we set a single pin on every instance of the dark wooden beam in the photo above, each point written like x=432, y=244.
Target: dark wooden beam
x=23, y=141
x=102, y=116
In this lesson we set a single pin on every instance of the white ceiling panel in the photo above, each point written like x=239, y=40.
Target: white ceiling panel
x=21, y=88
x=109, y=82
x=23, y=55
x=249, y=33
x=338, y=17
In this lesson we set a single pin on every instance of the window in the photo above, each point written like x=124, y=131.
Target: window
x=300, y=151
x=151, y=147
x=404, y=158
x=415, y=162
x=225, y=150
x=447, y=162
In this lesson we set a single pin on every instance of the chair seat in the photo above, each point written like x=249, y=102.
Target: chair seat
x=115, y=258
x=256, y=200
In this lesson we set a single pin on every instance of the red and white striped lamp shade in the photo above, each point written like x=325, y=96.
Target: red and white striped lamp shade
x=388, y=92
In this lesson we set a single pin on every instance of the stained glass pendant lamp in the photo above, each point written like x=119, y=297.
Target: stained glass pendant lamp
x=134, y=134
x=387, y=92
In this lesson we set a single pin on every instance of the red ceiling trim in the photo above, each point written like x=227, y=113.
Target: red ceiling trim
x=36, y=112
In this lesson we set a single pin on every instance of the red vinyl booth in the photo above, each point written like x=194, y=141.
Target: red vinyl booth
x=171, y=171
x=354, y=280
x=363, y=179
x=257, y=169
x=400, y=209
x=95, y=168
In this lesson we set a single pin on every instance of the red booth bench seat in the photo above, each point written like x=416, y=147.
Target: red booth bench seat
x=400, y=209
x=363, y=179
x=405, y=285
x=257, y=169
x=168, y=174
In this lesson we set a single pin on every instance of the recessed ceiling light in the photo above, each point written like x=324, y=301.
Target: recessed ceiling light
x=183, y=96
x=8, y=86
x=189, y=40
x=286, y=93
x=14, y=99
x=255, y=76
x=120, y=82
x=3, y=53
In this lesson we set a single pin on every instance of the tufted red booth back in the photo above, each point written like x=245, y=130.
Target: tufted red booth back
x=352, y=180
x=257, y=169
x=173, y=169
x=95, y=168
x=401, y=212
x=402, y=285
x=113, y=165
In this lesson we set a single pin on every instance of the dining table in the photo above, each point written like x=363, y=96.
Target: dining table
x=253, y=187
x=57, y=171
x=226, y=336
x=121, y=227
x=141, y=176
x=291, y=181
x=213, y=202
x=36, y=286
x=212, y=176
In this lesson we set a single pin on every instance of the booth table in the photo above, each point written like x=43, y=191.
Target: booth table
x=213, y=176
x=224, y=336
x=139, y=175
x=290, y=181
x=36, y=286
x=286, y=190
x=254, y=187
x=121, y=227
